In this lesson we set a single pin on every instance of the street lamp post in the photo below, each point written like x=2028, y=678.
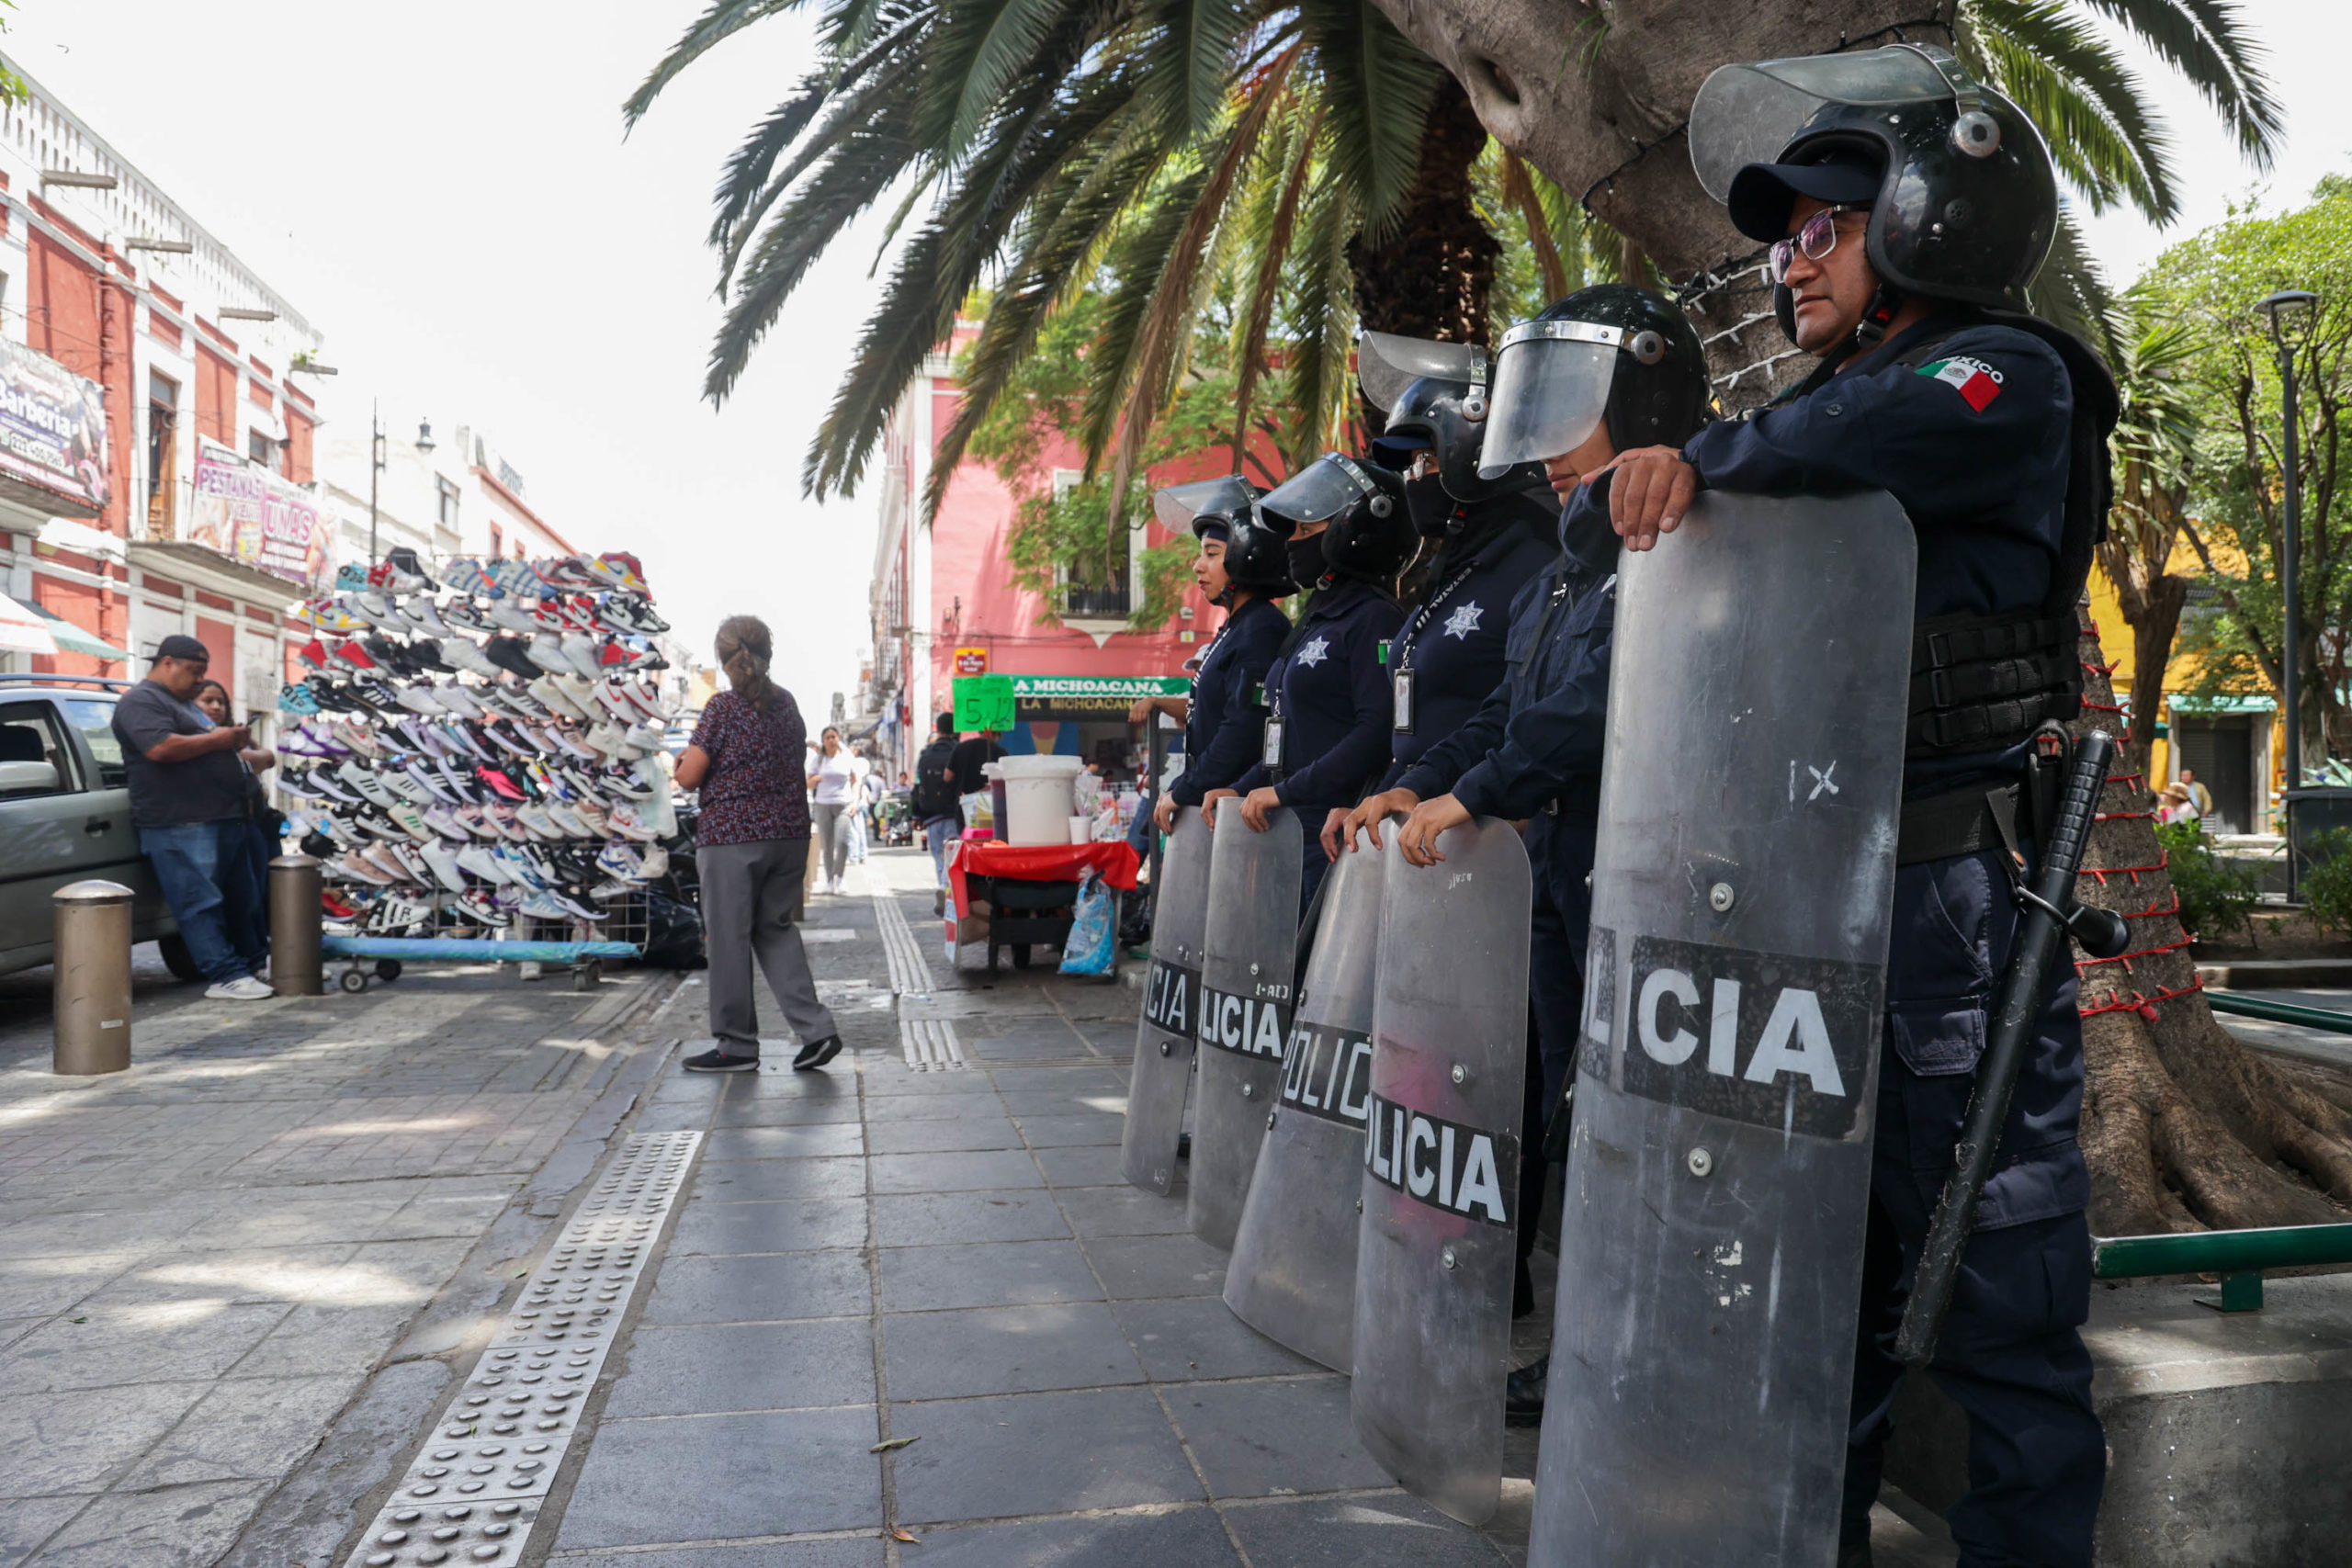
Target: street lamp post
x=2297, y=302
x=374, y=474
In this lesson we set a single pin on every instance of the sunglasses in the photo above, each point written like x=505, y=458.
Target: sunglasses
x=1816, y=239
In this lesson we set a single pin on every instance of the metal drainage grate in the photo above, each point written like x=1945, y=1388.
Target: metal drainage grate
x=474, y=1493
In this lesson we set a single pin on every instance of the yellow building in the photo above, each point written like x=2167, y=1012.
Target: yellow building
x=2233, y=744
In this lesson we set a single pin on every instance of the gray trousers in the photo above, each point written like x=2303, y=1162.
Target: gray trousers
x=832, y=824
x=751, y=896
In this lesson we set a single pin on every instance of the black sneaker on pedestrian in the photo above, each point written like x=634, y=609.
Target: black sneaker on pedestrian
x=1523, y=1393
x=939, y=900
x=816, y=1052
x=716, y=1061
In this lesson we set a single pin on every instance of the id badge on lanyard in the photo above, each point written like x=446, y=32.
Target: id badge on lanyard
x=1401, y=706
x=1270, y=753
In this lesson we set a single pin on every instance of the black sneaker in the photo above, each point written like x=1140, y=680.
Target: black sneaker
x=716, y=1061
x=816, y=1052
x=1523, y=1393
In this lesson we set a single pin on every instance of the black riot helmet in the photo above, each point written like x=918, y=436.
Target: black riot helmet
x=1225, y=509
x=1610, y=352
x=1371, y=535
x=1962, y=196
x=1435, y=395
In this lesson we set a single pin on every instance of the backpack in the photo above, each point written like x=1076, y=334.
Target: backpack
x=933, y=797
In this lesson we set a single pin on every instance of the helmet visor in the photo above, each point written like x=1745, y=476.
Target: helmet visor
x=1322, y=490
x=1748, y=114
x=1387, y=364
x=1178, y=505
x=1551, y=389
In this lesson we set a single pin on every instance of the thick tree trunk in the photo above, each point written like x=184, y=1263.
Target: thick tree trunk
x=2152, y=630
x=1432, y=273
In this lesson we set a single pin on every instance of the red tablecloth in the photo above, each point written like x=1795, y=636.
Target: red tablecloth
x=1115, y=863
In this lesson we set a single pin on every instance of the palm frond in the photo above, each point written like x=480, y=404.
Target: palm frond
x=995, y=45
x=1378, y=87
x=1273, y=252
x=2091, y=110
x=1316, y=379
x=1519, y=191
x=722, y=21
x=1193, y=44
x=2208, y=43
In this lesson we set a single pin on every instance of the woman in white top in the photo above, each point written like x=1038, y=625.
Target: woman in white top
x=832, y=802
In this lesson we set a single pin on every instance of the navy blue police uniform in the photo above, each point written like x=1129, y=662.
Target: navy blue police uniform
x=1330, y=695
x=1452, y=649
x=1221, y=735
x=1967, y=423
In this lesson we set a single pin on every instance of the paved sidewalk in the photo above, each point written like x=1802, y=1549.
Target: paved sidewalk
x=205, y=1260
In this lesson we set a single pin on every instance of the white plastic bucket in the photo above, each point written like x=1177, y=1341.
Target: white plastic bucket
x=1081, y=829
x=1036, y=798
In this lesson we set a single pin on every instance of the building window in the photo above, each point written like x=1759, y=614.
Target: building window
x=162, y=453
x=449, y=502
x=262, y=450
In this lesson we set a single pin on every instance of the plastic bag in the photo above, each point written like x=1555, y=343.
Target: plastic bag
x=1093, y=942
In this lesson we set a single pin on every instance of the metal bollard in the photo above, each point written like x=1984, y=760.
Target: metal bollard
x=294, y=922
x=90, y=1001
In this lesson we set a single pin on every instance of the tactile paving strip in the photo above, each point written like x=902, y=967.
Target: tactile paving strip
x=472, y=1496
x=929, y=1044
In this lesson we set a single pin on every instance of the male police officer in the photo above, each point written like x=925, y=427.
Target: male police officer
x=1905, y=207
x=1608, y=368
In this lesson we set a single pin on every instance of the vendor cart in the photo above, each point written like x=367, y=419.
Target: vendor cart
x=1022, y=896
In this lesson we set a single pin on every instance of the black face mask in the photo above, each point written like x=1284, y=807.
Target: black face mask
x=1431, y=509
x=1307, y=564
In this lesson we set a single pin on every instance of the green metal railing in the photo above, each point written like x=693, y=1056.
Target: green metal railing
x=2279, y=1013
x=2238, y=1257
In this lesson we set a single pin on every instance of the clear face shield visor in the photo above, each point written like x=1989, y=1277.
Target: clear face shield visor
x=1387, y=365
x=1319, y=491
x=1178, y=505
x=1552, y=384
x=1749, y=113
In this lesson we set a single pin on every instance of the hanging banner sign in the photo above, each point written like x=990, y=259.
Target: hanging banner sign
x=984, y=702
x=250, y=515
x=52, y=434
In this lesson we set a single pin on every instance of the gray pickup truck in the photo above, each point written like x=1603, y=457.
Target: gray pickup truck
x=66, y=815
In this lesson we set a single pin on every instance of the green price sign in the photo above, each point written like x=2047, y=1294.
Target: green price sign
x=984, y=702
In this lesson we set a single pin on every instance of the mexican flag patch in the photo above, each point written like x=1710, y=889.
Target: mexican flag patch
x=1977, y=382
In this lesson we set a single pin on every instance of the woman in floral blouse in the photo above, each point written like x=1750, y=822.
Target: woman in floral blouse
x=752, y=849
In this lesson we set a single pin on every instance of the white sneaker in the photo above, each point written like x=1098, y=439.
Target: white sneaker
x=243, y=989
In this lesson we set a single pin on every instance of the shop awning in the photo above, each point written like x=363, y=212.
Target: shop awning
x=22, y=631
x=72, y=638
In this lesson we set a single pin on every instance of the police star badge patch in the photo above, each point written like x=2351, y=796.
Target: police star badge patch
x=1976, y=381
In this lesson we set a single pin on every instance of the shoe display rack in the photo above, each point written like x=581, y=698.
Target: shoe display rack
x=474, y=761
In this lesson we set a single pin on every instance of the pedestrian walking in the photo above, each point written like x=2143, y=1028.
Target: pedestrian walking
x=187, y=803
x=934, y=803
x=833, y=776
x=252, y=935
x=752, y=848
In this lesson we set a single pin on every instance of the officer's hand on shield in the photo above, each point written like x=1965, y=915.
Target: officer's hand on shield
x=1208, y=803
x=1417, y=838
x=1140, y=710
x=1653, y=488
x=1261, y=801
x=1373, y=811
x=1163, y=815
x=1335, y=827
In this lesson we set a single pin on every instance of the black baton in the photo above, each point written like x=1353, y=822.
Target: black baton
x=2050, y=915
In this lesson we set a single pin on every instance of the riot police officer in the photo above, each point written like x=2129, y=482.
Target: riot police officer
x=1325, y=736
x=1905, y=206
x=1484, y=538
x=1243, y=567
x=1608, y=368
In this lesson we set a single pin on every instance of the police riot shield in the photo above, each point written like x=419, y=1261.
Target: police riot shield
x=1171, y=994
x=1245, y=1009
x=1719, y=1171
x=1440, y=1182
x=1293, y=1277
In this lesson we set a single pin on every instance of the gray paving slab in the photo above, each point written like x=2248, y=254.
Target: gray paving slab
x=888, y=1081
x=180, y=1527
x=959, y=1172
x=79, y=1441
x=1089, y=1165
x=316, y=1340
x=1186, y=1337
x=752, y=1112
x=292, y=1223
x=26, y=1522
x=986, y=1350
x=1180, y=1538
x=733, y=1367
x=834, y=1553
x=1003, y=1273
x=241, y=1274
x=248, y=1429
x=430, y=1214
x=1063, y=1092
x=709, y=1478
x=810, y=1140
x=1037, y=1453
x=128, y=1345
x=1132, y=1267
x=735, y=1181
x=1073, y=1130
x=1122, y=1211
x=121, y=1230
x=1287, y=1435
x=771, y=1289
x=39, y=1285
x=881, y=1109
x=928, y=1219
x=796, y=1225
x=1391, y=1531
x=773, y=1081
x=940, y=1135
x=670, y=1116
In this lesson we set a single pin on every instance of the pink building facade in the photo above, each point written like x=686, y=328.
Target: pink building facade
x=942, y=589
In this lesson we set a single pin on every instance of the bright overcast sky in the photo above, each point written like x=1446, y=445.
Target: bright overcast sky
x=442, y=187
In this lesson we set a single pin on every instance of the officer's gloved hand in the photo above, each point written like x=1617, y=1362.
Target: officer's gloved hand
x=1373, y=811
